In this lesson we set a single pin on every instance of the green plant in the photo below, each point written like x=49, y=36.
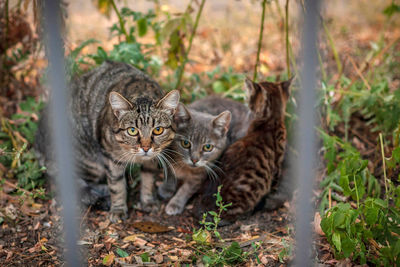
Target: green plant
x=214, y=254
x=16, y=137
x=368, y=230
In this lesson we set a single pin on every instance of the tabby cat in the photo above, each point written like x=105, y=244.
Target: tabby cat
x=253, y=164
x=119, y=115
x=203, y=132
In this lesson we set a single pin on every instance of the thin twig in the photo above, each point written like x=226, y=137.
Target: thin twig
x=287, y=38
x=333, y=47
x=260, y=37
x=359, y=73
x=181, y=69
x=17, y=187
x=121, y=22
x=384, y=167
x=366, y=65
x=330, y=197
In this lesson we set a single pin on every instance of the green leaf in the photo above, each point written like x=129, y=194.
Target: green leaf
x=74, y=53
x=391, y=9
x=371, y=215
x=339, y=219
x=233, y=253
x=145, y=257
x=396, y=248
x=336, y=241
x=348, y=247
x=142, y=26
x=201, y=236
x=213, y=213
x=122, y=253
x=396, y=154
x=218, y=87
x=207, y=260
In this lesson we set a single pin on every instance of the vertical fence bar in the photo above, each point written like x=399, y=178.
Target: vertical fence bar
x=306, y=139
x=60, y=128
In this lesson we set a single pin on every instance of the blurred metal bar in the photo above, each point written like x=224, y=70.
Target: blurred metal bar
x=306, y=139
x=60, y=129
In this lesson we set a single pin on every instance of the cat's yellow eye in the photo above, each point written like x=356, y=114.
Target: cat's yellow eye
x=208, y=147
x=132, y=131
x=158, y=130
x=185, y=144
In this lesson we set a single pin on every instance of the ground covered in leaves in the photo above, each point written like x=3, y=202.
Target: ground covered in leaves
x=32, y=236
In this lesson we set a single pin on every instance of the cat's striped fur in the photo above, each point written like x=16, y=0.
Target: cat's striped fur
x=253, y=164
x=108, y=104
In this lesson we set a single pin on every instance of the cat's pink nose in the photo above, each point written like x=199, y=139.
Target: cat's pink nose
x=195, y=161
x=145, y=148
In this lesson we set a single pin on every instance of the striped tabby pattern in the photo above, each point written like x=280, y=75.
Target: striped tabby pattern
x=252, y=165
x=119, y=116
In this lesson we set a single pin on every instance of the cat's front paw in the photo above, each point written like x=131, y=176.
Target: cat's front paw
x=149, y=205
x=165, y=192
x=118, y=213
x=174, y=208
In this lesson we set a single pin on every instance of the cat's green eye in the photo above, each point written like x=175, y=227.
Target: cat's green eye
x=185, y=144
x=132, y=131
x=158, y=130
x=208, y=147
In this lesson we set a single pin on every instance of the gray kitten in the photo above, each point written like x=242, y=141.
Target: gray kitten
x=203, y=132
x=119, y=116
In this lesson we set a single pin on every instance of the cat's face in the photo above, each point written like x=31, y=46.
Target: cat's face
x=145, y=128
x=201, y=137
x=267, y=99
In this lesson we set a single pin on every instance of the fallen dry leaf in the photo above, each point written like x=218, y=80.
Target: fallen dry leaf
x=140, y=242
x=9, y=255
x=109, y=259
x=159, y=258
x=173, y=258
x=151, y=227
x=317, y=224
x=104, y=225
x=264, y=259
x=129, y=238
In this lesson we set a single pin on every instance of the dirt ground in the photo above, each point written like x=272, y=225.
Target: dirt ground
x=33, y=238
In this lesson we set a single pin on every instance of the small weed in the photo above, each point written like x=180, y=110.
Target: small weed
x=367, y=231
x=218, y=254
x=16, y=135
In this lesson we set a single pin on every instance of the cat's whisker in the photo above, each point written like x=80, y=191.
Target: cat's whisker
x=160, y=159
x=213, y=165
x=173, y=151
x=131, y=162
x=168, y=165
x=164, y=153
x=214, y=176
x=120, y=159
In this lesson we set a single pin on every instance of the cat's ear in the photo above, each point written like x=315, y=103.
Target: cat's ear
x=286, y=86
x=182, y=116
x=221, y=123
x=250, y=88
x=169, y=102
x=119, y=104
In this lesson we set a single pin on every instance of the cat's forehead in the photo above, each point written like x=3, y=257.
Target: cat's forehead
x=146, y=114
x=199, y=130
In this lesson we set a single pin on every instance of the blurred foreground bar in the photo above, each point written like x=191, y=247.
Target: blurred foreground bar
x=306, y=140
x=61, y=132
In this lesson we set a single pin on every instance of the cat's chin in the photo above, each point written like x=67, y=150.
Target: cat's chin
x=144, y=158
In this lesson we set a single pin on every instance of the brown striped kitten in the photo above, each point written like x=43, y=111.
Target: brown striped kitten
x=253, y=164
x=119, y=115
x=204, y=129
